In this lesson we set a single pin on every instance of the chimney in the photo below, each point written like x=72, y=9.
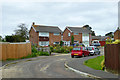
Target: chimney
x=33, y=23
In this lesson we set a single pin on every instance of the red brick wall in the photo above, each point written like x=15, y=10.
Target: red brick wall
x=33, y=36
x=65, y=35
x=68, y=38
x=54, y=38
x=117, y=35
x=77, y=37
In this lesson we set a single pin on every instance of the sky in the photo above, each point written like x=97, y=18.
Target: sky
x=101, y=16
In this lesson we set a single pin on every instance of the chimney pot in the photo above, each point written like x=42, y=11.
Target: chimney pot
x=33, y=23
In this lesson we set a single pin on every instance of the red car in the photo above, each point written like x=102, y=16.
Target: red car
x=79, y=51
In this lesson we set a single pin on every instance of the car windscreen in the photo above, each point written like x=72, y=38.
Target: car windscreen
x=90, y=48
x=76, y=49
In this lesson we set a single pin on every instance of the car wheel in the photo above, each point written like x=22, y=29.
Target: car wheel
x=98, y=53
x=72, y=56
x=83, y=55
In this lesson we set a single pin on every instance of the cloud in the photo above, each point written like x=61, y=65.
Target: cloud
x=99, y=15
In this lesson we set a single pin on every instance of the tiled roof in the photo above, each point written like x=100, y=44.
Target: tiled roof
x=43, y=28
x=100, y=37
x=79, y=30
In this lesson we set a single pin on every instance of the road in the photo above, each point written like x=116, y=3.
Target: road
x=42, y=67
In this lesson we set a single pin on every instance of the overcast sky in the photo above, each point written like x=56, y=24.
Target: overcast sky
x=101, y=16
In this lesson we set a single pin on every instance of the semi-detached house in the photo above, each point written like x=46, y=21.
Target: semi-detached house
x=44, y=35
x=81, y=35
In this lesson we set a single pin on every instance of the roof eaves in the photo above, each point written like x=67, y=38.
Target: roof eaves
x=34, y=29
x=69, y=29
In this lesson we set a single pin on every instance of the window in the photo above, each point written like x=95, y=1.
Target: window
x=76, y=33
x=68, y=34
x=43, y=34
x=56, y=33
x=44, y=43
x=76, y=49
x=56, y=43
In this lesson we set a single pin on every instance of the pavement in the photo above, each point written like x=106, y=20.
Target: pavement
x=78, y=65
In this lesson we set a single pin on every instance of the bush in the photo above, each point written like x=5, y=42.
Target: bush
x=61, y=49
x=103, y=64
x=34, y=50
x=61, y=43
x=40, y=53
x=116, y=42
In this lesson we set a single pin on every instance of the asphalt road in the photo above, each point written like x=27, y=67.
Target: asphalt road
x=42, y=67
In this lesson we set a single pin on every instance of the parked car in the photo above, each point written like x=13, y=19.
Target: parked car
x=79, y=51
x=93, y=50
x=96, y=44
x=79, y=44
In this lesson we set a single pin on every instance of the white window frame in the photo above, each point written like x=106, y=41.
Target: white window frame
x=55, y=43
x=69, y=34
x=56, y=33
x=44, y=43
x=44, y=34
x=76, y=33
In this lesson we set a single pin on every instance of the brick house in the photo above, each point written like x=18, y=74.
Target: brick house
x=117, y=34
x=81, y=35
x=44, y=35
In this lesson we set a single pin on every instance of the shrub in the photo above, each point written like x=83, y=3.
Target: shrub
x=51, y=48
x=116, y=42
x=40, y=53
x=103, y=64
x=61, y=43
x=34, y=50
x=61, y=49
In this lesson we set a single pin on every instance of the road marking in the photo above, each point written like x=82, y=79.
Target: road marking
x=44, y=68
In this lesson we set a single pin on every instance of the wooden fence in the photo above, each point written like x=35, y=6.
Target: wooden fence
x=14, y=50
x=112, y=57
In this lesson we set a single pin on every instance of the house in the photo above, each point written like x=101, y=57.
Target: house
x=81, y=35
x=44, y=35
x=101, y=39
x=117, y=34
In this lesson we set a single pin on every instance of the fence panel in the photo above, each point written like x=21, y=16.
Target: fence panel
x=14, y=50
x=112, y=57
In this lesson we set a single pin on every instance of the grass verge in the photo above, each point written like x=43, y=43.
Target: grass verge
x=95, y=63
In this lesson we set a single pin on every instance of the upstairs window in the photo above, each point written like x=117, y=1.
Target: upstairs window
x=76, y=33
x=68, y=34
x=56, y=33
x=43, y=34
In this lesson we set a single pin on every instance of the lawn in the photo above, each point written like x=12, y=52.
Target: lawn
x=95, y=63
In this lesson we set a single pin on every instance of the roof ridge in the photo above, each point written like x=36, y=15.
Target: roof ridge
x=45, y=26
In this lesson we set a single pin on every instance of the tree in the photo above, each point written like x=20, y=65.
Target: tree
x=0, y=38
x=14, y=38
x=93, y=33
x=110, y=34
x=72, y=39
x=61, y=43
x=87, y=26
x=22, y=31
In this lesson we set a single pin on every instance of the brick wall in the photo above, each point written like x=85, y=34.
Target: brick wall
x=68, y=38
x=33, y=36
x=54, y=38
x=117, y=35
x=65, y=35
x=77, y=37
